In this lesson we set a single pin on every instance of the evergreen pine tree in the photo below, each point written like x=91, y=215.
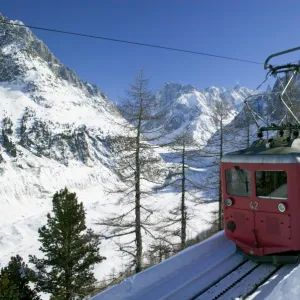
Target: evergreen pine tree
x=14, y=281
x=70, y=250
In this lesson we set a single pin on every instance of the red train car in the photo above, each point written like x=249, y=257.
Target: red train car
x=261, y=197
x=261, y=184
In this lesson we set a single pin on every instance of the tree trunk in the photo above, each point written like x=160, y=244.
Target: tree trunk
x=183, y=213
x=68, y=274
x=160, y=252
x=138, y=233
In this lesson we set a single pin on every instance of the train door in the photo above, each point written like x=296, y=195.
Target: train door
x=269, y=206
x=237, y=194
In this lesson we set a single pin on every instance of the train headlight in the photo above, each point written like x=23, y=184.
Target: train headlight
x=228, y=202
x=281, y=207
x=231, y=226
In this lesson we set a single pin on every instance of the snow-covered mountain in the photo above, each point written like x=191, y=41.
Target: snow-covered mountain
x=187, y=108
x=50, y=120
x=55, y=132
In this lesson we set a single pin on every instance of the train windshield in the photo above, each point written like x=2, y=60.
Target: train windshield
x=238, y=182
x=271, y=184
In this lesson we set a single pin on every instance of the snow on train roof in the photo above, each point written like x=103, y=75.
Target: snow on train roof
x=263, y=151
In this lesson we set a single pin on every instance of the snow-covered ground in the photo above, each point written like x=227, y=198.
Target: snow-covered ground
x=191, y=271
x=20, y=222
x=165, y=279
x=288, y=287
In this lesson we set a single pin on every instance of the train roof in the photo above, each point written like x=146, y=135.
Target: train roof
x=272, y=151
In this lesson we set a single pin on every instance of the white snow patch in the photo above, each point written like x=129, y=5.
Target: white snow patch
x=159, y=281
x=288, y=287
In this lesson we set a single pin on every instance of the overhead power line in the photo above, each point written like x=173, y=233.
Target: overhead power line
x=132, y=43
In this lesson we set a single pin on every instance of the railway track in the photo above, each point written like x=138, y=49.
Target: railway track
x=220, y=270
x=234, y=278
x=241, y=282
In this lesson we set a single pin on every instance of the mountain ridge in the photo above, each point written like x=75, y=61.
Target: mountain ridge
x=29, y=42
x=189, y=109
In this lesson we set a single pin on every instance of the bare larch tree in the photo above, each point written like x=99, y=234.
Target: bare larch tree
x=221, y=112
x=184, y=178
x=139, y=167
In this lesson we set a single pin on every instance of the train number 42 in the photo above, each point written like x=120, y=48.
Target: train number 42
x=254, y=205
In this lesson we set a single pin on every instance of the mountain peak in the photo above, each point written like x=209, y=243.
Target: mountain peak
x=14, y=39
x=237, y=87
x=187, y=107
x=172, y=90
x=213, y=89
x=178, y=86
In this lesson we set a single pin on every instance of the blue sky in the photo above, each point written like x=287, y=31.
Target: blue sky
x=244, y=29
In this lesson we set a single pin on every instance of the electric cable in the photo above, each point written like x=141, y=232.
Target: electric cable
x=131, y=42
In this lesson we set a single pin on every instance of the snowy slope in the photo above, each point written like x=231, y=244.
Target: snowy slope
x=209, y=270
x=55, y=133
x=54, y=127
x=288, y=287
x=163, y=280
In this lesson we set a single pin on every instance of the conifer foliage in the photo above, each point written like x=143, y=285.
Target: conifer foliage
x=70, y=250
x=14, y=281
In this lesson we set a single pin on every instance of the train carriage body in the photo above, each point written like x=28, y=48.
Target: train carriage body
x=261, y=184
x=261, y=198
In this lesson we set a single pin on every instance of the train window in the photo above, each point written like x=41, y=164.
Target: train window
x=238, y=182
x=271, y=184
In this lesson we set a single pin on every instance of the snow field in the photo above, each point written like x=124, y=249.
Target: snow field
x=165, y=279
